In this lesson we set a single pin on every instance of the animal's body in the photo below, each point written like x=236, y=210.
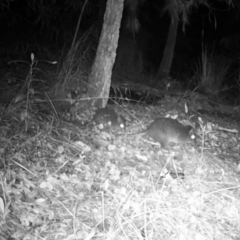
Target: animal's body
x=108, y=118
x=167, y=130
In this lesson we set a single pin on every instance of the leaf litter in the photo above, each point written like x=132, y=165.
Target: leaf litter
x=56, y=186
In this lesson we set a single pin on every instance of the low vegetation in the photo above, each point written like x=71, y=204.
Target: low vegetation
x=61, y=181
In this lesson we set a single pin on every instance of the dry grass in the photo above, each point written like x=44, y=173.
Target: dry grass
x=59, y=181
x=212, y=72
x=54, y=187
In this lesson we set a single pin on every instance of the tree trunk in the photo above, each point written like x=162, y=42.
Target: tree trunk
x=100, y=76
x=164, y=69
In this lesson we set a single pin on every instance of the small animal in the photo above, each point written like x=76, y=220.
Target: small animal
x=108, y=118
x=166, y=131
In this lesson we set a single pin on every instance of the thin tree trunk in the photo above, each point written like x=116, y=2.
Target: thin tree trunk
x=164, y=69
x=100, y=76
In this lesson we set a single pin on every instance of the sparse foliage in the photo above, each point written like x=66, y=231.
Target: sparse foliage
x=26, y=99
x=212, y=73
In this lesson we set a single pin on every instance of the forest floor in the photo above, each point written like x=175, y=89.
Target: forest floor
x=60, y=181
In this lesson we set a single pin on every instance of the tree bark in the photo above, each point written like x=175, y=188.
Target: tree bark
x=100, y=76
x=164, y=69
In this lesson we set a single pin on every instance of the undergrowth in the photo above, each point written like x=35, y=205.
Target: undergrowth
x=212, y=73
x=65, y=182
x=56, y=185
